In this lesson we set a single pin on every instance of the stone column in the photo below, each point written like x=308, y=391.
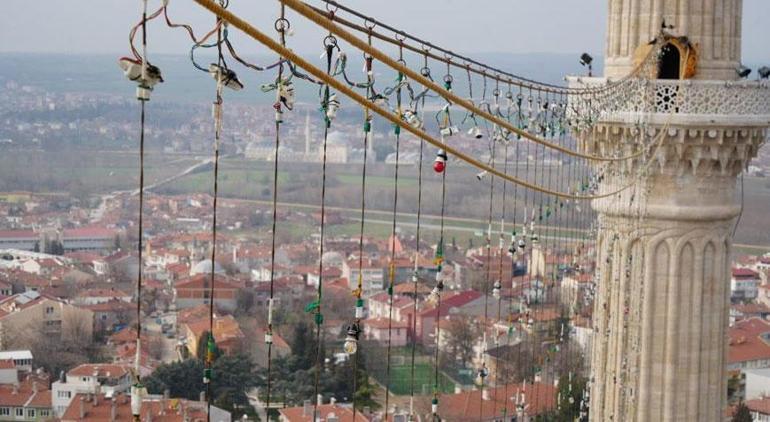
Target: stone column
x=661, y=310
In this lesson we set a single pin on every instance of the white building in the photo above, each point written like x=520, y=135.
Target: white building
x=744, y=284
x=21, y=358
x=108, y=379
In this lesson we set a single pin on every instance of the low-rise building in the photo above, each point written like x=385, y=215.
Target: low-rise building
x=196, y=290
x=749, y=346
x=29, y=314
x=90, y=378
x=744, y=284
x=28, y=401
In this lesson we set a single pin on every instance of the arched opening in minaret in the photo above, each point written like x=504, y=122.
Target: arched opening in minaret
x=669, y=64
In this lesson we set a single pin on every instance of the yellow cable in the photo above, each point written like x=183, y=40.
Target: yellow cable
x=265, y=40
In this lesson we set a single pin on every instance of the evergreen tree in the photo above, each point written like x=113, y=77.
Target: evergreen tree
x=742, y=413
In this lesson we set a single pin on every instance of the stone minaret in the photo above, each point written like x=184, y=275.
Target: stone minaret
x=661, y=309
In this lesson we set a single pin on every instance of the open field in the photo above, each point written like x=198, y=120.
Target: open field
x=299, y=183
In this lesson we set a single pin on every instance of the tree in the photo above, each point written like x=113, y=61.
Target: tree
x=462, y=335
x=569, y=395
x=232, y=377
x=303, y=346
x=742, y=413
x=244, y=301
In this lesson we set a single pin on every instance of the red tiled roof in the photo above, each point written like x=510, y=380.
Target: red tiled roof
x=746, y=343
x=18, y=234
x=99, y=369
x=538, y=398
x=296, y=414
x=200, y=281
x=761, y=405
x=744, y=273
x=452, y=301
x=90, y=232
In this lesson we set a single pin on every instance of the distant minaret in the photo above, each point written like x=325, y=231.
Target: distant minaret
x=307, y=135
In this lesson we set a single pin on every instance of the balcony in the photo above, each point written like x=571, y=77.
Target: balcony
x=705, y=102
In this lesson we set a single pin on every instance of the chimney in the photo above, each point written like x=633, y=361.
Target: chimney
x=319, y=400
x=306, y=408
x=82, y=407
x=34, y=387
x=331, y=417
x=96, y=394
x=485, y=394
x=367, y=410
x=113, y=409
x=202, y=396
x=164, y=402
x=332, y=401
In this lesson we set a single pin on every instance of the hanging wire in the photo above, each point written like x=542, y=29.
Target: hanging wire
x=479, y=67
x=392, y=266
x=217, y=111
x=329, y=110
x=138, y=390
x=281, y=25
x=415, y=275
x=367, y=130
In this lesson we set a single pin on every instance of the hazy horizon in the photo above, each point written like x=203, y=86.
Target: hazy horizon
x=558, y=27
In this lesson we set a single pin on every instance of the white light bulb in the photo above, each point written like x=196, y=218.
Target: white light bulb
x=350, y=347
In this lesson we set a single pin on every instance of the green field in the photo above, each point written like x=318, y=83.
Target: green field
x=401, y=380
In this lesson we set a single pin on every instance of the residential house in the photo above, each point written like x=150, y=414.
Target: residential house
x=749, y=346
x=22, y=359
x=384, y=331
x=90, y=378
x=744, y=284
x=450, y=302
x=196, y=290
x=227, y=333
x=101, y=408
x=331, y=412
x=760, y=409
x=371, y=272
x=523, y=401
x=32, y=314
x=26, y=401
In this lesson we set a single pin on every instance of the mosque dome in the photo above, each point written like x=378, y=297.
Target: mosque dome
x=204, y=267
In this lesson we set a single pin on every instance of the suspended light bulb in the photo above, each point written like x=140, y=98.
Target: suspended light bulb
x=436, y=292
x=496, y=290
x=475, y=131
x=132, y=69
x=482, y=373
x=439, y=164
x=351, y=340
x=228, y=77
x=138, y=391
x=481, y=175
x=522, y=244
x=411, y=118
x=449, y=131
x=332, y=107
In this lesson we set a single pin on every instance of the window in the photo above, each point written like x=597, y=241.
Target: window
x=5, y=411
x=64, y=394
x=19, y=411
x=48, y=310
x=30, y=413
x=44, y=412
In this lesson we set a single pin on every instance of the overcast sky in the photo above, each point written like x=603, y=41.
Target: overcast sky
x=507, y=26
